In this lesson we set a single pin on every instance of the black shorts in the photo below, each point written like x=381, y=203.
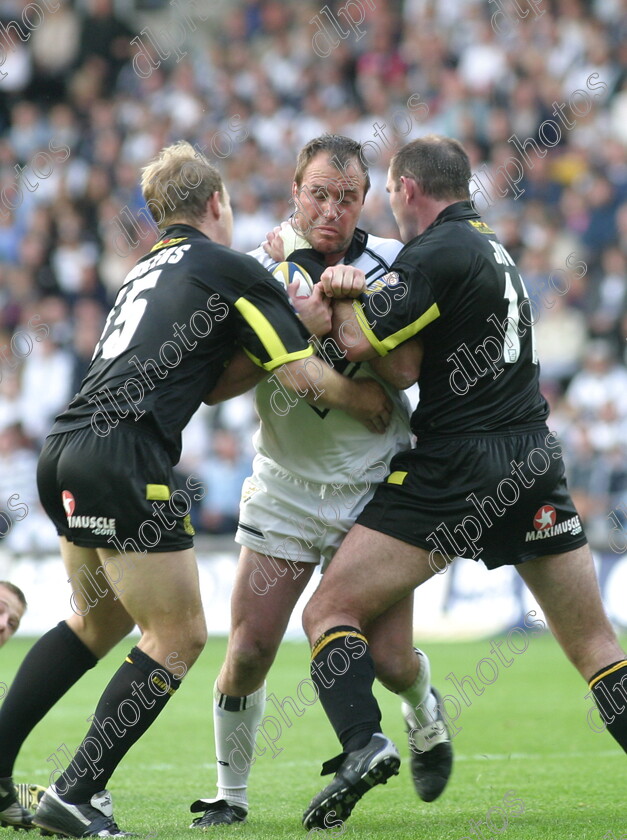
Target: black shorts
x=117, y=491
x=501, y=498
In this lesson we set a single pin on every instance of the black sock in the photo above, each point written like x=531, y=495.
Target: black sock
x=609, y=687
x=49, y=669
x=343, y=671
x=130, y=703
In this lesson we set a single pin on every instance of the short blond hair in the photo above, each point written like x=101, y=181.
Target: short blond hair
x=178, y=183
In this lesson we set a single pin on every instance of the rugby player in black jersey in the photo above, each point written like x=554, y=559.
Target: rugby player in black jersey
x=486, y=479
x=105, y=479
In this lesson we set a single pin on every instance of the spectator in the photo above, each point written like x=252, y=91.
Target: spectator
x=12, y=608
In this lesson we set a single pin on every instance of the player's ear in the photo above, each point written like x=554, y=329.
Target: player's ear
x=410, y=188
x=214, y=205
x=295, y=189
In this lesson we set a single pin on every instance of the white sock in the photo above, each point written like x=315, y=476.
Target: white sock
x=419, y=696
x=235, y=723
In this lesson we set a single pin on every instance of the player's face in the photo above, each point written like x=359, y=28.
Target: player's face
x=11, y=612
x=328, y=205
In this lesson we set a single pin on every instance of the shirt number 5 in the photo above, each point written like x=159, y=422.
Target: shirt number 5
x=124, y=318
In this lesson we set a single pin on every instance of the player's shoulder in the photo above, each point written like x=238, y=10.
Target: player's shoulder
x=236, y=261
x=383, y=247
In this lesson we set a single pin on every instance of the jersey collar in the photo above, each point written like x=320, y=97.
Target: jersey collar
x=454, y=212
x=180, y=227
x=357, y=246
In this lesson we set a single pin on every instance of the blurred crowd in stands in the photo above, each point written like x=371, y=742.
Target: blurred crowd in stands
x=90, y=90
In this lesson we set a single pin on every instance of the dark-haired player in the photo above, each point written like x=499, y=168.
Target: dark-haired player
x=485, y=480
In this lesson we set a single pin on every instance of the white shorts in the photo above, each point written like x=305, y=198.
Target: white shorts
x=283, y=516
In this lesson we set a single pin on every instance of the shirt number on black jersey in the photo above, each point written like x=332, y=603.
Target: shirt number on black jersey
x=124, y=318
x=513, y=329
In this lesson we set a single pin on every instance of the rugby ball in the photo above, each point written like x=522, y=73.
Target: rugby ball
x=290, y=272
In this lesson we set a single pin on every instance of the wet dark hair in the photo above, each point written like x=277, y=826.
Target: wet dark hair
x=342, y=151
x=439, y=164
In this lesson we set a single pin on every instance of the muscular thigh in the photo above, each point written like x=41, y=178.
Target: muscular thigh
x=370, y=573
x=264, y=595
x=156, y=589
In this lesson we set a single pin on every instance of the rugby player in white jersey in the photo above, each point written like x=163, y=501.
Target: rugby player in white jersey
x=312, y=475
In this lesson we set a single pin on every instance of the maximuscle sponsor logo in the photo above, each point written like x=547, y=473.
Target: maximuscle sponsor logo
x=99, y=525
x=545, y=526
x=96, y=524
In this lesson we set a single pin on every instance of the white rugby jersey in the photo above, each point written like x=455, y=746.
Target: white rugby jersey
x=327, y=446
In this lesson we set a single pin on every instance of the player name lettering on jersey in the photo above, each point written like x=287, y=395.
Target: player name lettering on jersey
x=573, y=524
x=96, y=524
x=160, y=258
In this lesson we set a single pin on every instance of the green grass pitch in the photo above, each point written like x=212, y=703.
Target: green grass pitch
x=526, y=760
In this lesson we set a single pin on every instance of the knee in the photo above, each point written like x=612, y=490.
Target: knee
x=308, y=618
x=195, y=641
x=185, y=642
x=248, y=656
x=313, y=617
x=396, y=670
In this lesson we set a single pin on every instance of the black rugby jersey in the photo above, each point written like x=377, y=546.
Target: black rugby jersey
x=457, y=287
x=177, y=319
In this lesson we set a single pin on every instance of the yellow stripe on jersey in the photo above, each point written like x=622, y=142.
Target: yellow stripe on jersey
x=268, y=336
x=396, y=477
x=616, y=667
x=157, y=492
x=324, y=640
x=383, y=347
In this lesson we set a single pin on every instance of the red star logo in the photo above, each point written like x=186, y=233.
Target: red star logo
x=544, y=518
x=68, y=502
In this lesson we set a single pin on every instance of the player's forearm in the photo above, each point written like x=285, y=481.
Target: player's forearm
x=319, y=384
x=315, y=381
x=401, y=367
x=240, y=376
x=348, y=333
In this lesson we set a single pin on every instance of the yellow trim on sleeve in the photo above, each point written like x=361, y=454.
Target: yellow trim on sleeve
x=410, y=330
x=157, y=492
x=358, y=308
x=289, y=357
x=396, y=477
x=616, y=667
x=384, y=346
x=262, y=327
x=324, y=641
x=268, y=336
x=300, y=354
